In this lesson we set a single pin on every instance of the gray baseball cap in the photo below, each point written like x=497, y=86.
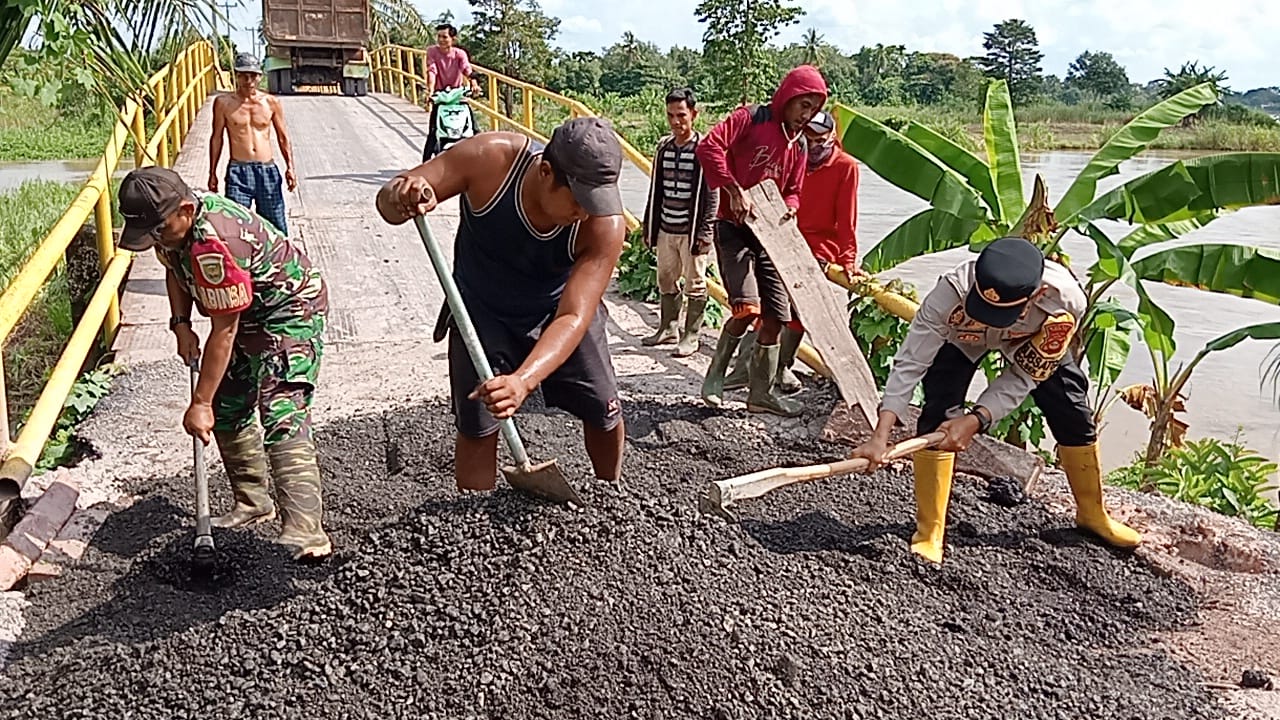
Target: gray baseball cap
x=587, y=151
x=247, y=63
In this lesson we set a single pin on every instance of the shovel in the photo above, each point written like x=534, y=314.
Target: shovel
x=203, y=554
x=723, y=494
x=544, y=480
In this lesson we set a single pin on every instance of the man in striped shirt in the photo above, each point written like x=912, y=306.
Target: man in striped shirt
x=679, y=222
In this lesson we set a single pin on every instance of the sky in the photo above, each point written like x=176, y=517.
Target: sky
x=1145, y=36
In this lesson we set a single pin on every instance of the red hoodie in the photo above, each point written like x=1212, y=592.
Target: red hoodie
x=828, y=216
x=735, y=150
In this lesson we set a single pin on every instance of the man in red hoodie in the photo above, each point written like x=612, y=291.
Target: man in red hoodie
x=752, y=144
x=828, y=219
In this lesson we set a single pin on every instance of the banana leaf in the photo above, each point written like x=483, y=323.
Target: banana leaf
x=926, y=232
x=1235, y=180
x=973, y=168
x=1001, y=135
x=1163, y=232
x=1261, y=331
x=1157, y=326
x=1237, y=270
x=1158, y=196
x=902, y=162
x=1130, y=140
x=1187, y=188
x=14, y=19
x=1109, y=341
x=1112, y=263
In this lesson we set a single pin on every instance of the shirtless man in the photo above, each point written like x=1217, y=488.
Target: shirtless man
x=247, y=118
x=541, y=231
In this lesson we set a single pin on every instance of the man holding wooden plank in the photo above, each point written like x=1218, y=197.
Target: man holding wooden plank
x=751, y=144
x=828, y=219
x=1011, y=299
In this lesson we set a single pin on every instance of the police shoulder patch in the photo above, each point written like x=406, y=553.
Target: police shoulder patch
x=1039, y=356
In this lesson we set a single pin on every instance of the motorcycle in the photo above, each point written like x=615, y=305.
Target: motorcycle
x=454, y=121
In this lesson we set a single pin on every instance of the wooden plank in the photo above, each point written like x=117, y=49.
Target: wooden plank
x=826, y=321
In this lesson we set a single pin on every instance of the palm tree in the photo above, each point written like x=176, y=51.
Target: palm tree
x=814, y=47
x=1189, y=76
x=120, y=41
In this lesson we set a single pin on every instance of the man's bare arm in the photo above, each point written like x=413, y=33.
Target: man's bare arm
x=418, y=190
x=179, y=299
x=215, y=141
x=282, y=130
x=600, y=239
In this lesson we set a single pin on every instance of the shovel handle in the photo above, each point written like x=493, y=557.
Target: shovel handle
x=203, y=523
x=469, y=336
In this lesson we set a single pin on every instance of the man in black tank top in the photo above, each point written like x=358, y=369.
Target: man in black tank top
x=540, y=233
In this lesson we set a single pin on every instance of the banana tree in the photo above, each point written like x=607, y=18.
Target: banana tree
x=114, y=39
x=974, y=199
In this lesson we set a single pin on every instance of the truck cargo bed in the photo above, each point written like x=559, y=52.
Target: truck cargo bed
x=331, y=23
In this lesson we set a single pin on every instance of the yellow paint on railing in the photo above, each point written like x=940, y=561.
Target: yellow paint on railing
x=173, y=96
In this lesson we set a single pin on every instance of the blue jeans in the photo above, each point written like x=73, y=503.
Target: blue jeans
x=258, y=183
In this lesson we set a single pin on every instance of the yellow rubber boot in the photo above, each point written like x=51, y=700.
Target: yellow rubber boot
x=933, y=470
x=1084, y=473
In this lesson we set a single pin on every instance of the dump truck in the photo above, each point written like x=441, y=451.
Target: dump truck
x=316, y=43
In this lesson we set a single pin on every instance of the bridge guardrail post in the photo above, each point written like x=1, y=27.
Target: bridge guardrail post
x=106, y=252
x=526, y=107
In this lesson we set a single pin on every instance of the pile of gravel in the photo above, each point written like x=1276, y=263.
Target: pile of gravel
x=493, y=606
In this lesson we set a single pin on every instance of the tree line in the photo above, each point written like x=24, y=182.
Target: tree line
x=740, y=61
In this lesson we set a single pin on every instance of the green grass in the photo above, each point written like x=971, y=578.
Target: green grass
x=26, y=215
x=30, y=130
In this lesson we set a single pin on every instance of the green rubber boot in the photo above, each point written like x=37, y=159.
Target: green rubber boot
x=299, y=495
x=713, y=385
x=669, y=312
x=246, y=462
x=741, y=369
x=786, y=381
x=764, y=368
x=693, y=317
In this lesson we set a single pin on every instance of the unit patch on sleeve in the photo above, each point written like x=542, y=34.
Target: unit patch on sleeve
x=1039, y=356
x=222, y=286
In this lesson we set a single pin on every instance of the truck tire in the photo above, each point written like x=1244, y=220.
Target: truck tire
x=348, y=86
x=280, y=82
x=362, y=87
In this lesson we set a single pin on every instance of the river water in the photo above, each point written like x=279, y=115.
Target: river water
x=1224, y=394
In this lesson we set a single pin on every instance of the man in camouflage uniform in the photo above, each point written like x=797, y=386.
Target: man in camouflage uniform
x=267, y=305
x=1013, y=300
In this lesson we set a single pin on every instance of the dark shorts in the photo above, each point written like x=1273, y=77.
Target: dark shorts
x=1063, y=397
x=584, y=386
x=749, y=275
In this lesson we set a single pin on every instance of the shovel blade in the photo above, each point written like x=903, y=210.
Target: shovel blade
x=543, y=480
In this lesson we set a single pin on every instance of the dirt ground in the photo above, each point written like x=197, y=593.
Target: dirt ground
x=440, y=605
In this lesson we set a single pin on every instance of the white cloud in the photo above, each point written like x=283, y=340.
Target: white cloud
x=578, y=24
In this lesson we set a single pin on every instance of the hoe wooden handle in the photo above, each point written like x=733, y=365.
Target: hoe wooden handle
x=744, y=487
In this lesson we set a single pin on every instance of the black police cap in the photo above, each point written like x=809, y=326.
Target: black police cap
x=1008, y=272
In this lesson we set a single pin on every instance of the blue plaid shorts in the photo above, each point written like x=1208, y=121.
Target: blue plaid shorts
x=259, y=183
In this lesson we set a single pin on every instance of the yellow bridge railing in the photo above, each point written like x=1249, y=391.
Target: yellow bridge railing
x=402, y=71
x=168, y=103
